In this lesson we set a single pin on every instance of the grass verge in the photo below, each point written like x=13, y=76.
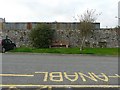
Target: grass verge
x=93, y=51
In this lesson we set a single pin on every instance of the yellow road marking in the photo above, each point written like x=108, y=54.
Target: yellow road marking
x=45, y=75
x=58, y=86
x=116, y=76
x=56, y=76
x=16, y=75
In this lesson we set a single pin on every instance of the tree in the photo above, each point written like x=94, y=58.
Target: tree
x=86, y=26
x=41, y=36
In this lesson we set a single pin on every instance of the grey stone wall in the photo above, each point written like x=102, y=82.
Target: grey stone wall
x=65, y=32
x=20, y=37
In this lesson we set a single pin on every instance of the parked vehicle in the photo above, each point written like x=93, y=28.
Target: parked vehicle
x=6, y=45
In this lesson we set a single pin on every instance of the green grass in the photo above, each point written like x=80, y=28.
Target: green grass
x=93, y=51
x=101, y=51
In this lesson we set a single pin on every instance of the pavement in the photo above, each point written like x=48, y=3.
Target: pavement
x=54, y=70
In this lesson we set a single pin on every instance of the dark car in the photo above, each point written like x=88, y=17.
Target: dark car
x=6, y=45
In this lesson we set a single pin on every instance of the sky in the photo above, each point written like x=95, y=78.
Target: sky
x=58, y=10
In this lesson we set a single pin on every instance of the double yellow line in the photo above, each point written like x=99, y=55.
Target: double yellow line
x=65, y=86
x=57, y=86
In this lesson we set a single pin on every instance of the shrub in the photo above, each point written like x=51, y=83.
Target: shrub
x=41, y=36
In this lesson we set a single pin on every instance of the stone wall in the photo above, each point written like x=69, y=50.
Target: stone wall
x=65, y=32
x=20, y=37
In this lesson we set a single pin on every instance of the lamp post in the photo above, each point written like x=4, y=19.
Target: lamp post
x=118, y=20
x=118, y=26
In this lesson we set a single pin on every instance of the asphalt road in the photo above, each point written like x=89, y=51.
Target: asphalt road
x=56, y=70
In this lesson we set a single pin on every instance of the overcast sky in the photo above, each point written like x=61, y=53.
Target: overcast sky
x=58, y=10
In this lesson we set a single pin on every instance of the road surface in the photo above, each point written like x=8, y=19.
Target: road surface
x=58, y=70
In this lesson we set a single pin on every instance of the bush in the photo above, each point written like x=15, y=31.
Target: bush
x=41, y=36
